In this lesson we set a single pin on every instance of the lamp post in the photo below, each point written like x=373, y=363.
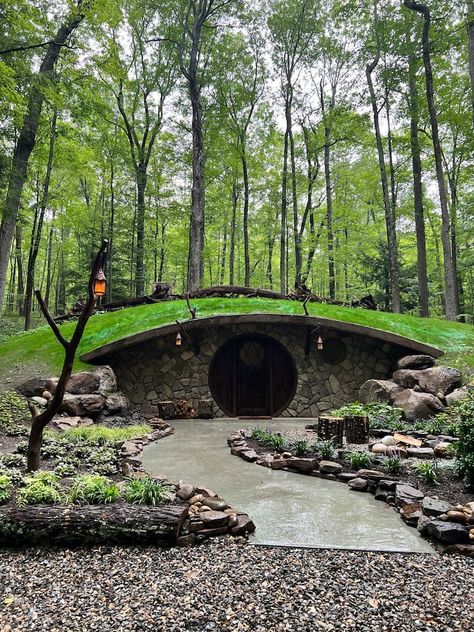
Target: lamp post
x=99, y=283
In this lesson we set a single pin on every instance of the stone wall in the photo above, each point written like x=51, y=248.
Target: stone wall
x=158, y=370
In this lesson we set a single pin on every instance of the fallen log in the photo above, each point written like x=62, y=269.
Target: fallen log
x=92, y=524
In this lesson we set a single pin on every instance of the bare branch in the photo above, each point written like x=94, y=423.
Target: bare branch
x=50, y=320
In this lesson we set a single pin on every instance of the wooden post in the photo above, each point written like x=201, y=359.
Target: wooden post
x=331, y=428
x=205, y=409
x=357, y=428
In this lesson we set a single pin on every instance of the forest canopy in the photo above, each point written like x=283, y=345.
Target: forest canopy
x=282, y=144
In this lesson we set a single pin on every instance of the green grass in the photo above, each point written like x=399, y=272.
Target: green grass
x=39, y=347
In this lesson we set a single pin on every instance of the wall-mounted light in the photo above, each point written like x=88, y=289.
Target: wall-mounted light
x=320, y=343
x=179, y=340
x=99, y=283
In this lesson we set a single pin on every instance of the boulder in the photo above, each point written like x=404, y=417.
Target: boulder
x=406, y=378
x=434, y=507
x=330, y=467
x=456, y=396
x=265, y=460
x=185, y=492
x=130, y=448
x=422, y=525
x=278, y=464
x=442, y=449
x=379, y=448
x=244, y=525
x=107, y=380
x=217, y=504
x=457, y=516
x=378, y=391
x=39, y=401
x=51, y=384
x=249, y=455
x=418, y=405
x=213, y=519
x=117, y=404
x=64, y=423
x=205, y=491
x=449, y=532
x=358, y=484
x=407, y=495
x=439, y=379
x=373, y=475
x=411, y=514
x=345, y=477
x=83, y=405
x=302, y=464
x=421, y=453
x=32, y=387
x=415, y=362
x=82, y=383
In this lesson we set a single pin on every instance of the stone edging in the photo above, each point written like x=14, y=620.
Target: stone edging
x=444, y=523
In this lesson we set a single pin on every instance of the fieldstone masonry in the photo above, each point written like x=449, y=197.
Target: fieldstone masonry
x=158, y=370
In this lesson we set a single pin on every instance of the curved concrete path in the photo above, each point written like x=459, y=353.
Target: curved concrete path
x=288, y=509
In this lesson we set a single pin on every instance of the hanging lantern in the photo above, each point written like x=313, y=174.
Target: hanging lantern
x=99, y=283
x=179, y=340
x=320, y=343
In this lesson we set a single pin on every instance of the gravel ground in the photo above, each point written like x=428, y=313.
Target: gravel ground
x=225, y=586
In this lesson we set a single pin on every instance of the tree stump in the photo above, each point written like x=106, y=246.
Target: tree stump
x=331, y=428
x=184, y=410
x=357, y=429
x=205, y=409
x=166, y=410
x=92, y=524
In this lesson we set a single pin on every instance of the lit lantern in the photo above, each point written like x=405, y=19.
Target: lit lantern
x=179, y=340
x=320, y=343
x=99, y=283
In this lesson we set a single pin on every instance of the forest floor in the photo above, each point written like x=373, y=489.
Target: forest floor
x=225, y=586
x=25, y=354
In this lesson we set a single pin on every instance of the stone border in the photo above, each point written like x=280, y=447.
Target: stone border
x=98, y=354
x=446, y=524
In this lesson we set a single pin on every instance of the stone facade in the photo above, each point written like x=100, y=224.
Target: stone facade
x=158, y=370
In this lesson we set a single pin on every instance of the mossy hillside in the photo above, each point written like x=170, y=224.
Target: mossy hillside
x=39, y=347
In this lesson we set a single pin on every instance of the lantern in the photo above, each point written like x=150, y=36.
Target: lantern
x=179, y=340
x=99, y=283
x=320, y=343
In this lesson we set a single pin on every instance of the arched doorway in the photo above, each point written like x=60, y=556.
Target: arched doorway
x=252, y=375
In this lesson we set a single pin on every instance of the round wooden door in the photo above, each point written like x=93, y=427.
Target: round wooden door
x=252, y=376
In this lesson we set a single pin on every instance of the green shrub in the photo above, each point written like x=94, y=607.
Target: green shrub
x=42, y=487
x=16, y=476
x=358, y=459
x=102, y=435
x=326, y=448
x=301, y=447
x=380, y=415
x=277, y=442
x=428, y=472
x=5, y=489
x=13, y=410
x=261, y=435
x=465, y=446
x=92, y=489
x=64, y=470
x=145, y=491
x=393, y=465
x=13, y=460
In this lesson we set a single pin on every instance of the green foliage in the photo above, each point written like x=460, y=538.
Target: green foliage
x=273, y=440
x=92, y=489
x=40, y=488
x=393, y=465
x=5, y=488
x=301, y=447
x=326, y=448
x=359, y=459
x=465, y=447
x=13, y=410
x=13, y=460
x=64, y=470
x=380, y=415
x=102, y=435
x=428, y=472
x=145, y=491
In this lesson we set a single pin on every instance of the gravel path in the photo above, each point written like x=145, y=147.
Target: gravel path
x=225, y=586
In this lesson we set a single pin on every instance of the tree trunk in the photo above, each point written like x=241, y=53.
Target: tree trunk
x=196, y=232
x=110, y=276
x=36, y=235
x=329, y=211
x=27, y=139
x=235, y=198
x=246, y=217
x=284, y=206
x=19, y=266
x=451, y=298
x=140, y=243
x=49, y=257
x=223, y=254
x=91, y=524
x=470, y=35
x=294, y=203
x=423, y=294
x=389, y=217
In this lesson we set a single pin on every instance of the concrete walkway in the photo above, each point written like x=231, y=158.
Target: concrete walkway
x=288, y=509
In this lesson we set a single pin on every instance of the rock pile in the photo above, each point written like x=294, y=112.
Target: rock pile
x=448, y=524
x=417, y=386
x=90, y=397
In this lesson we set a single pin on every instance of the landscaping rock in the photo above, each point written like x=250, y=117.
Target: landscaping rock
x=415, y=362
x=406, y=378
x=422, y=525
x=449, y=532
x=411, y=514
x=82, y=383
x=32, y=387
x=83, y=405
x=302, y=464
x=279, y=464
x=418, y=405
x=345, y=477
x=65, y=423
x=265, y=459
x=185, y=492
x=130, y=449
x=244, y=525
x=442, y=449
x=217, y=504
x=378, y=391
x=434, y=507
x=214, y=519
x=205, y=491
x=107, y=380
x=457, y=516
x=373, y=475
x=117, y=404
x=439, y=379
x=407, y=495
x=389, y=441
x=329, y=467
x=358, y=484
x=421, y=453
x=456, y=396
x=39, y=401
x=379, y=448
x=249, y=455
